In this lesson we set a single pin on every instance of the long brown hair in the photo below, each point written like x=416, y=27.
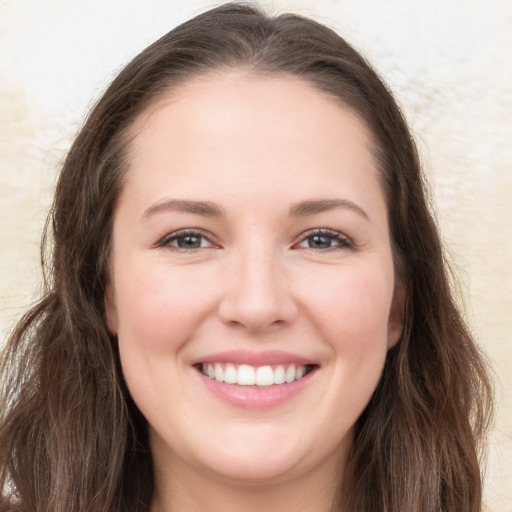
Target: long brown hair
x=72, y=440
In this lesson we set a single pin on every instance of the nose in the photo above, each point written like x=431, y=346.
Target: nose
x=257, y=293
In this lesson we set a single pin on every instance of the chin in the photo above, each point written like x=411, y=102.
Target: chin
x=261, y=455
x=254, y=472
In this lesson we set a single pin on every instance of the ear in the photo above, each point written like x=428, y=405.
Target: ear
x=110, y=310
x=396, y=315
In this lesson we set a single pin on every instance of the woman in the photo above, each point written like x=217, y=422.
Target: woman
x=247, y=306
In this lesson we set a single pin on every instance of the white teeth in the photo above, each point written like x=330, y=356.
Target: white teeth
x=290, y=374
x=230, y=374
x=264, y=376
x=279, y=375
x=219, y=372
x=246, y=375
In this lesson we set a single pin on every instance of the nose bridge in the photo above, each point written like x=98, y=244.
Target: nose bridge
x=257, y=294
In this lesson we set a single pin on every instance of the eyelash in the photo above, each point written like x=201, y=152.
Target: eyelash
x=182, y=234
x=341, y=241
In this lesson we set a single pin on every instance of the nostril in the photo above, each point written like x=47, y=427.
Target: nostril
x=257, y=300
x=256, y=319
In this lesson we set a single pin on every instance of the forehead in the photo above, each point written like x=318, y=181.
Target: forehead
x=246, y=96
x=249, y=132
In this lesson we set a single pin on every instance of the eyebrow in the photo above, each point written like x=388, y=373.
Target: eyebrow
x=204, y=208
x=313, y=206
x=210, y=209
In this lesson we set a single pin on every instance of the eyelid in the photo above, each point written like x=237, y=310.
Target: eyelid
x=347, y=242
x=169, y=237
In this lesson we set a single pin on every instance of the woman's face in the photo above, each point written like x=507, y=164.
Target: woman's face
x=252, y=277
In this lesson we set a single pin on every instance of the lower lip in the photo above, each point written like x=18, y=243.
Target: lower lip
x=254, y=397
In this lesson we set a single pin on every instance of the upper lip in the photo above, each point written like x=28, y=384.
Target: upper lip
x=268, y=357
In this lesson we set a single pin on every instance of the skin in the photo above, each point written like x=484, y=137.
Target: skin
x=256, y=280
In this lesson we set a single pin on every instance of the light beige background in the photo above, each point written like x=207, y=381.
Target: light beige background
x=448, y=61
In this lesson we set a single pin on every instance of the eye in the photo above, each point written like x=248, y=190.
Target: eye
x=187, y=240
x=324, y=239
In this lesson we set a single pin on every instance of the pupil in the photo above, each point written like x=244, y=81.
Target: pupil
x=319, y=242
x=189, y=241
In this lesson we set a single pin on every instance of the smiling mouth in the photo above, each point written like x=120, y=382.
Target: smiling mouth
x=247, y=375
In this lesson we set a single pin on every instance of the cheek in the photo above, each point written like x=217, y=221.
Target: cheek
x=158, y=309
x=352, y=307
